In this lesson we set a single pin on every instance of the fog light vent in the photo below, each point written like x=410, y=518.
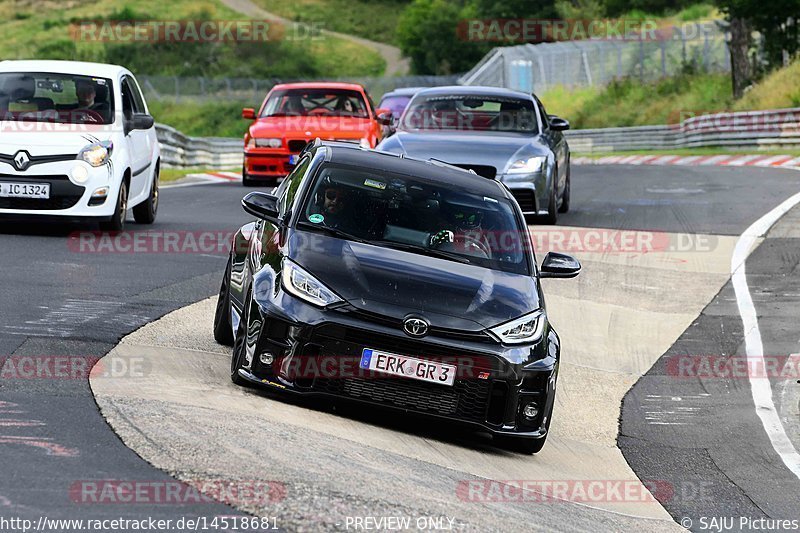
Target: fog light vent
x=266, y=358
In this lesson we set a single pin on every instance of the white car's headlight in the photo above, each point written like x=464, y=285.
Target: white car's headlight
x=269, y=142
x=525, y=329
x=527, y=166
x=96, y=154
x=305, y=286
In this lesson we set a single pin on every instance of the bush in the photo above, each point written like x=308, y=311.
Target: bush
x=427, y=33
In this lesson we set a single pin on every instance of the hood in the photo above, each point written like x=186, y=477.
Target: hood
x=310, y=127
x=394, y=283
x=494, y=149
x=47, y=142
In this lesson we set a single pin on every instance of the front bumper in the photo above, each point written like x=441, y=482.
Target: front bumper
x=267, y=164
x=321, y=358
x=68, y=199
x=531, y=191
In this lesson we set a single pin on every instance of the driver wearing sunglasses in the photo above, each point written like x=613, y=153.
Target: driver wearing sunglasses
x=335, y=201
x=463, y=234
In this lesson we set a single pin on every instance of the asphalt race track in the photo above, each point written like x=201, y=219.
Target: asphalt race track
x=622, y=413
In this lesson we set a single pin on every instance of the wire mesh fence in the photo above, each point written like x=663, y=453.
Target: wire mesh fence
x=252, y=91
x=536, y=67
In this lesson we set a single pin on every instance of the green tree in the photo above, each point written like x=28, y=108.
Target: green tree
x=775, y=21
x=428, y=34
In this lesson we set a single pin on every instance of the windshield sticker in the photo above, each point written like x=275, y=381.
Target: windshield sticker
x=316, y=218
x=375, y=184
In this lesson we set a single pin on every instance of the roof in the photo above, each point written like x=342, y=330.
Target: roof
x=319, y=85
x=353, y=155
x=404, y=91
x=474, y=91
x=81, y=68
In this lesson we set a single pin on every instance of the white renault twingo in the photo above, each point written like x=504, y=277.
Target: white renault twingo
x=76, y=142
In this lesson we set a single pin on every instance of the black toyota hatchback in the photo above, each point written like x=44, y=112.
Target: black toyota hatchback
x=405, y=284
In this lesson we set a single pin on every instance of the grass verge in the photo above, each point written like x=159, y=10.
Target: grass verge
x=372, y=19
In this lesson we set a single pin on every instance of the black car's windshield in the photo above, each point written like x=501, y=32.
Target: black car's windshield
x=417, y=215
x=316, y=102
x=470, y=113
x=60, y=98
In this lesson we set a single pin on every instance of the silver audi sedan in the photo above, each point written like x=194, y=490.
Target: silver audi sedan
x=499, y=134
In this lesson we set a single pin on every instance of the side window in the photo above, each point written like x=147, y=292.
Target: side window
x=131, y=99
x=136, y=93
x=542, y=113
x=127, y=101
x=288, y=189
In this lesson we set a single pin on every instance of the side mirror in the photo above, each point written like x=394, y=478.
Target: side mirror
x=261, y=205
x=249, y=113
x=141, y=121
x=384, y=117
x=558, y=123
x=556, y=265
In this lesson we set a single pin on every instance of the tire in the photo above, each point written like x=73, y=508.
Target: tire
x=523, y=446
x=223, y=330
x=239, y=347
x=551, y=218
x=117, y=222
x=145, y=212
x=565, y=198
x=247, y=182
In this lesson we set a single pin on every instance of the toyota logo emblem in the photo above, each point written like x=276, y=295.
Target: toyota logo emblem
x=416, y=327
x=21, y=160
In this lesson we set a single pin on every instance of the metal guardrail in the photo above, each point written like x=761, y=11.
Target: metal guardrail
x=181, y=151
x=758, y=130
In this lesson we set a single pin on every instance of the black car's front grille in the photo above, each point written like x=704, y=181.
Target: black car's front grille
x=297, y=145
x=467, y=399
x=481, y=170
x=63, y=193
x=526, y=199
x=400, y=344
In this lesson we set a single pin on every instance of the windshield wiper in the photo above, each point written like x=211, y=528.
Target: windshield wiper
x=336, y=232
x=406, y=247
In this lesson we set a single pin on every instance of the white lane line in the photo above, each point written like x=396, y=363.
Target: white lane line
x=761, y=387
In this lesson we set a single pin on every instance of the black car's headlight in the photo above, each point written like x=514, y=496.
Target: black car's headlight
x=300, y=283
x=525, y=329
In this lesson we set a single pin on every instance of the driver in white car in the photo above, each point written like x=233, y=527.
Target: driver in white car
x=86, y=94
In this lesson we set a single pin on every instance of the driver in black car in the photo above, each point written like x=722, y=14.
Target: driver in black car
x=333, y=203
x=463, y=233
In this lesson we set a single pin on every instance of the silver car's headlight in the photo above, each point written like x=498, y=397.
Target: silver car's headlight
x=269, y=142
x=96, y=154
x=300, y=283
x=527, y=166
x=525, y=329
